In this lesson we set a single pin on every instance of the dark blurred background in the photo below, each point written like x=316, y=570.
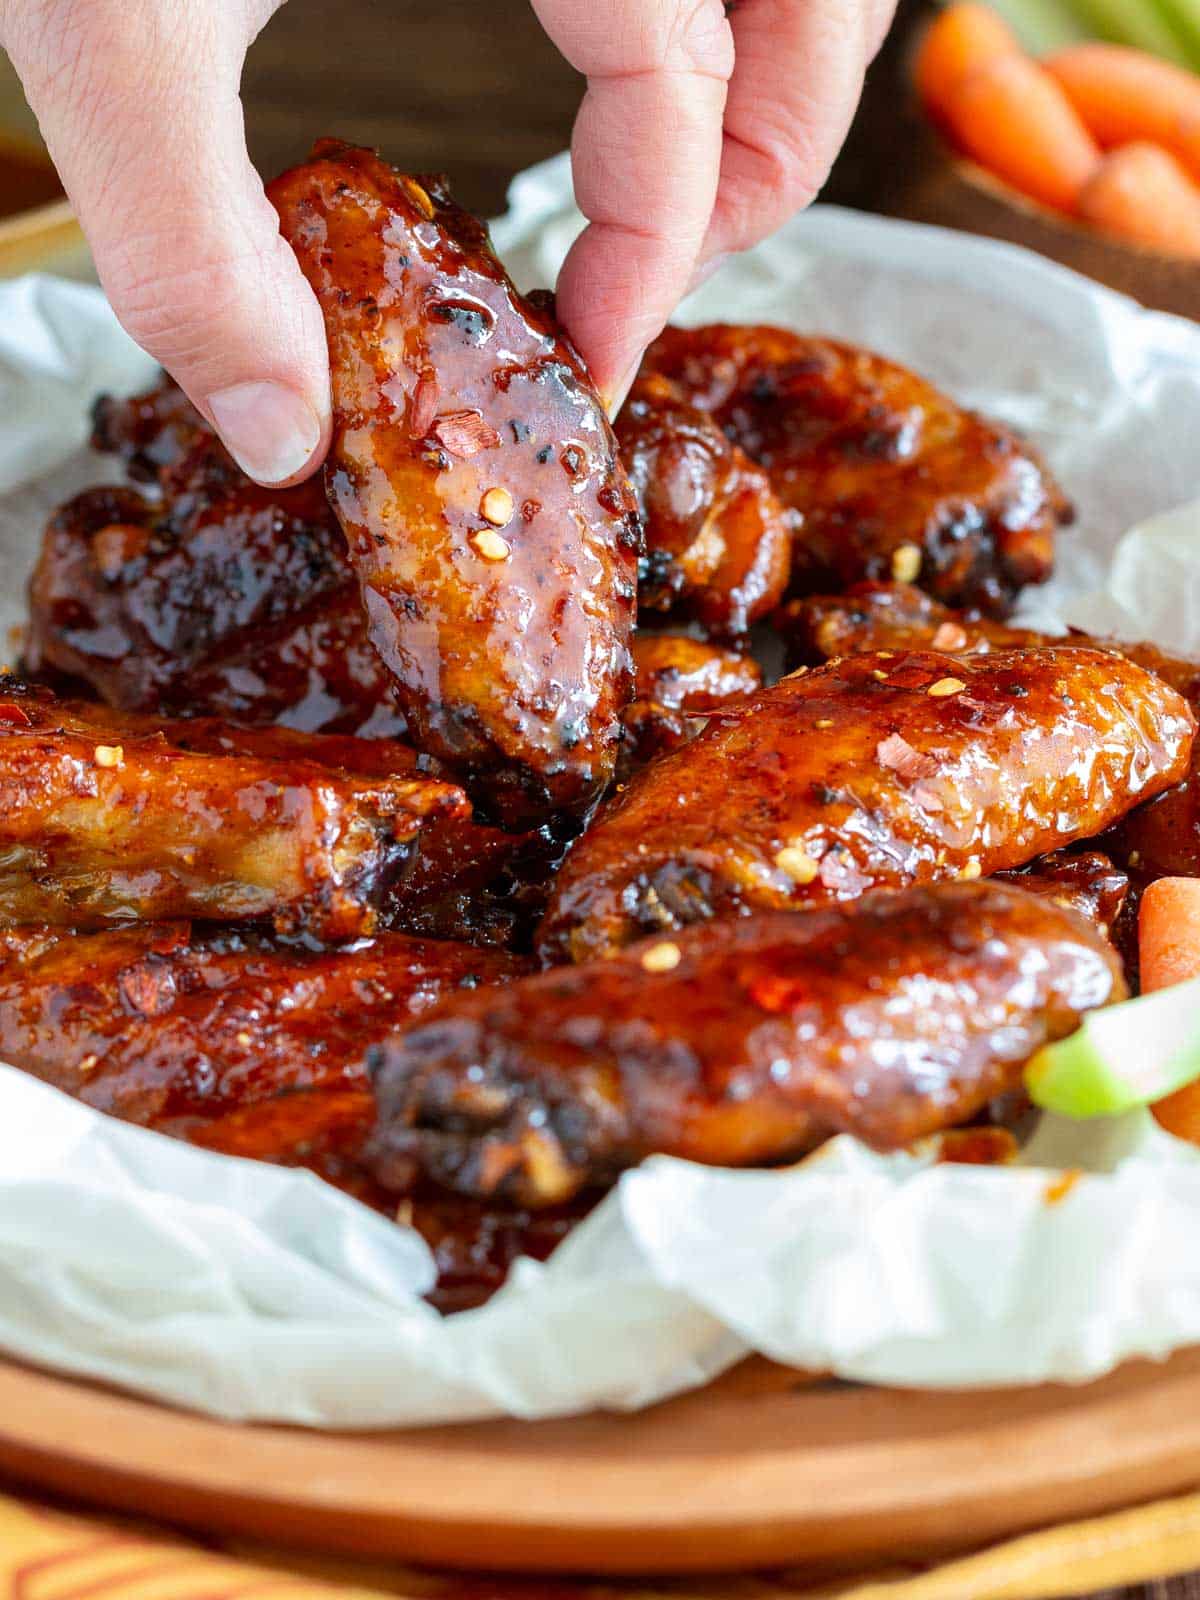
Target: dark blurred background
x=472, y=88
x=469, y=87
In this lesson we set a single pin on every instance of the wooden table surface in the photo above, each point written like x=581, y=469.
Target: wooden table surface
x=473, y=88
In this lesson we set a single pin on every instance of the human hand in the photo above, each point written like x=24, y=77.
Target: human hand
x=704, y=127
x=138, y=103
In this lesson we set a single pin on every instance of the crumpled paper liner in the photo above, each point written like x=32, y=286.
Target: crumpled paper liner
x=251, y=1292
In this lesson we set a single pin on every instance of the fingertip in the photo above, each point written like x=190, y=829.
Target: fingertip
x=270, y=430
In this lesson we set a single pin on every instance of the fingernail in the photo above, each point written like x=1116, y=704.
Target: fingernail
x=269, y=430
x=614, y=395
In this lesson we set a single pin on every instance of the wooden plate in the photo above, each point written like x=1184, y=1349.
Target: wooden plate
x=762, y=1469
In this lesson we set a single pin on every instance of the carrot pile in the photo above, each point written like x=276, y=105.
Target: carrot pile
x=1101, y=132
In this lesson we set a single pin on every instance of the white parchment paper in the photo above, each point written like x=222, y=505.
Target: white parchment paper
x=256, y=1293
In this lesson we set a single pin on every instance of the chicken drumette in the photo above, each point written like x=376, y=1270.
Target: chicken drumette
x=889, y=478
x=717, y=541
x=109, y=816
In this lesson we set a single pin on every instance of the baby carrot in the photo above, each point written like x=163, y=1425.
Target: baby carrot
x=1169, y=933
x=1140, y=192
x=962, y=38
x=1013, y=118
x=1125, y=96
x=1168, y=953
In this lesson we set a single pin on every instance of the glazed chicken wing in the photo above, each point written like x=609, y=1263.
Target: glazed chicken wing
x=877, y=771
x=1159, y=839
x=889, y=477
x=216, y=597
x=717, y=542
x=223, y=1037
x=738, y=1043
x=897, y=616
x=475, y=473
x=679, y=681
x=1086, y=881
x=105, y=817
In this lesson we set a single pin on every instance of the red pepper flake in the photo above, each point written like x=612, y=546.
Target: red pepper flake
x=839, y=873
x=11, y=712
x=147, y=988
x=464, y=433
x=950, y=636
x=424, y=404
x=896, y=753
x=776, y=994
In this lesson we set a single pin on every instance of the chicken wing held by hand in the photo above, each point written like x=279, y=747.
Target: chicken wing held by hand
x=738, y=1043
x=890, y=478
x=876, y=771
x=474, y=471
x=221, y=1036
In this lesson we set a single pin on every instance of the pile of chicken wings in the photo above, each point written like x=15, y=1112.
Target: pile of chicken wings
x=438, y=827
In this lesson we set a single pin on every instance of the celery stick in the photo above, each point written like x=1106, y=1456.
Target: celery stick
x=1133, y=22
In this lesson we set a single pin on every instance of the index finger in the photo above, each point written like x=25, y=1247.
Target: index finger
x=646, y=157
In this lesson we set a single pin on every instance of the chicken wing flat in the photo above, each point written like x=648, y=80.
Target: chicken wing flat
x=103, y=818
x=879, y=770
x=890, y=477
x=679, y=681
x=474, y=471
x=738, y=1043
x=222, y=1037
x=1157, y=840
x=717, y=542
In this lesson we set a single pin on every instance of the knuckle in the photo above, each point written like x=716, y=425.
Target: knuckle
x=700, y=39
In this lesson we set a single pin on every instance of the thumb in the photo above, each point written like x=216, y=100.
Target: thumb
x=138, y=104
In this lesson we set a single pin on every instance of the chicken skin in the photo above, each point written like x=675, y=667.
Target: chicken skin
x=876, y=771
x=738, y=1043
x=717, y=542
x=880, y=616
x=889, y=477
x=1157, y=840
x=105, y=817
x=220, y=1036
x=679, y=681
x=475, y=473
x=214, y=597
x=1086, y=881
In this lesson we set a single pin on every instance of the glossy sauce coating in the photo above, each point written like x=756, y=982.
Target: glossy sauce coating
x=717, y=542
x=104, y=819
x=1159, y=839
x=134, y=595
x=1085, y=881
x=474, y=470
x=897, y=616
x=226, y=1038
x=738, y=1043
x=678, y=681
x=891, y=478
x=880, y=770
